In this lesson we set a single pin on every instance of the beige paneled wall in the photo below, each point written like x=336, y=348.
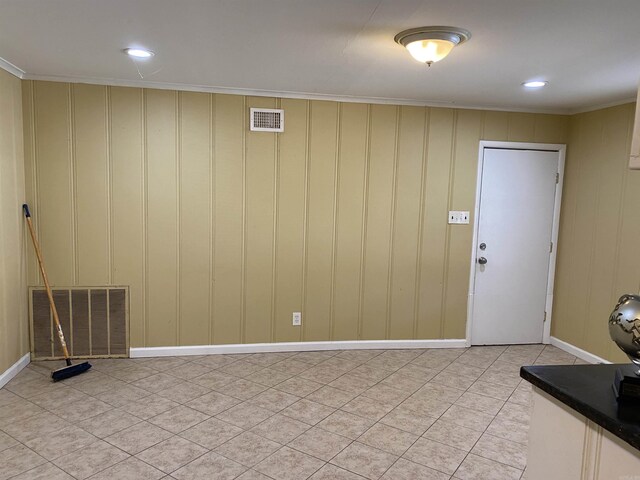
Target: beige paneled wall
x=599, y=230
x=13, y=295
x=222, y=233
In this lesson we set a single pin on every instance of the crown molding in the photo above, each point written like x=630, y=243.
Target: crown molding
x=602, y=106
x=11, y=68
x=278, y=94
x=186, y=87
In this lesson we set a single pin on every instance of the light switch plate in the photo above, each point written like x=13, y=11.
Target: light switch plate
x=458, y=217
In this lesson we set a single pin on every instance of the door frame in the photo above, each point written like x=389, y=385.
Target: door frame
x=560, y=149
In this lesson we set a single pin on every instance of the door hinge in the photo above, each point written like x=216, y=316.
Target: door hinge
x=557, y=177
x=545, y=317
x=551, y=248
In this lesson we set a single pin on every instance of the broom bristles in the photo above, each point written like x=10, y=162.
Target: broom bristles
x=70, y=371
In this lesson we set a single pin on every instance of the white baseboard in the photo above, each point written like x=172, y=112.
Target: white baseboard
x=577, y=352
x=293, y=347
x=14, y=369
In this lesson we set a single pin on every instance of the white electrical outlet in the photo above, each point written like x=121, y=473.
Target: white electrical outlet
x=458, y=217
x=297, y=319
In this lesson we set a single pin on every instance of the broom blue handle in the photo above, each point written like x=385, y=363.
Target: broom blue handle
x=25, y=207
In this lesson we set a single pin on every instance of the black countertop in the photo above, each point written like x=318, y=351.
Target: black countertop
x=587, y=389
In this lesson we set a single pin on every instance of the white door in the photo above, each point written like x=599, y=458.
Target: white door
x=517, y=199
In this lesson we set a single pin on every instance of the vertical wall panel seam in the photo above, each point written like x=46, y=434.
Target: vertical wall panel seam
x=35, y=170
x=592, y=256
x=623, y=189
x=178, y=171
x=109, y=184
x=23, y=309
x=90, y=320
x=145, y=217
x=573, y=214
x=52, y=336
x=212, y=215
x=363, y=228
x=74, y=182
x=533, y=125
x=576, y=260
x=334, y=233
x=305, y=233
x=616, y=262
x=447, y=246
x=394, y=186
x=71, y=342
x=30, y=111
x=630, y=130
x=423, y=192
x=108, y=309
x=243, y=266
x=274, y=239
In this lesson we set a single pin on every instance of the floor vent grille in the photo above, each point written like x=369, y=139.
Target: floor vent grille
x=95, y=321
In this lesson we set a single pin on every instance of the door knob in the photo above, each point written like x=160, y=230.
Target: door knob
x=482, y=261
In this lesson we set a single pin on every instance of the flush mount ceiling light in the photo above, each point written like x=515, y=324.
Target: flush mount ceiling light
x=431, y=44
x=139, y=53
x=535, y=84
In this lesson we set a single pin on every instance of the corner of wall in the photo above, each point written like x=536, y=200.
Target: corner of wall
x=599, y=225
x=14, y=342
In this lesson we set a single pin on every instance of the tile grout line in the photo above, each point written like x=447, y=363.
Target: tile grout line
x=504, y=403
x=312, y=363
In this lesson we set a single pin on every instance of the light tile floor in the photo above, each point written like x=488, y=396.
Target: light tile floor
x=340, y=415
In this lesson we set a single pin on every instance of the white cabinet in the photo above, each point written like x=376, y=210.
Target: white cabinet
x=565, y=445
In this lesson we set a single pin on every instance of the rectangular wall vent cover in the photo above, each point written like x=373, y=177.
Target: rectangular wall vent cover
x=267, y=120
x=95, y=322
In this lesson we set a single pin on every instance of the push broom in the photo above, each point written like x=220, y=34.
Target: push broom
x=70, y=370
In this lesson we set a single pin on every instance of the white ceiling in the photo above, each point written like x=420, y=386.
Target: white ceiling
x=588, y=50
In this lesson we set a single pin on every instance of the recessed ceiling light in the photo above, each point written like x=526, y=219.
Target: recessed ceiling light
x=535, y=84
x=138, y=52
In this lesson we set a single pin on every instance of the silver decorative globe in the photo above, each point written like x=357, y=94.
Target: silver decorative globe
x=624, y=327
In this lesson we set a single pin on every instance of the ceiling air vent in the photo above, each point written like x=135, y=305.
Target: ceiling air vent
x=267, y=120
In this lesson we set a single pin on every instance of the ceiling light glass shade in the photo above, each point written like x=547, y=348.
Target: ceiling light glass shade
x=429, y=51
x=431, y=44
